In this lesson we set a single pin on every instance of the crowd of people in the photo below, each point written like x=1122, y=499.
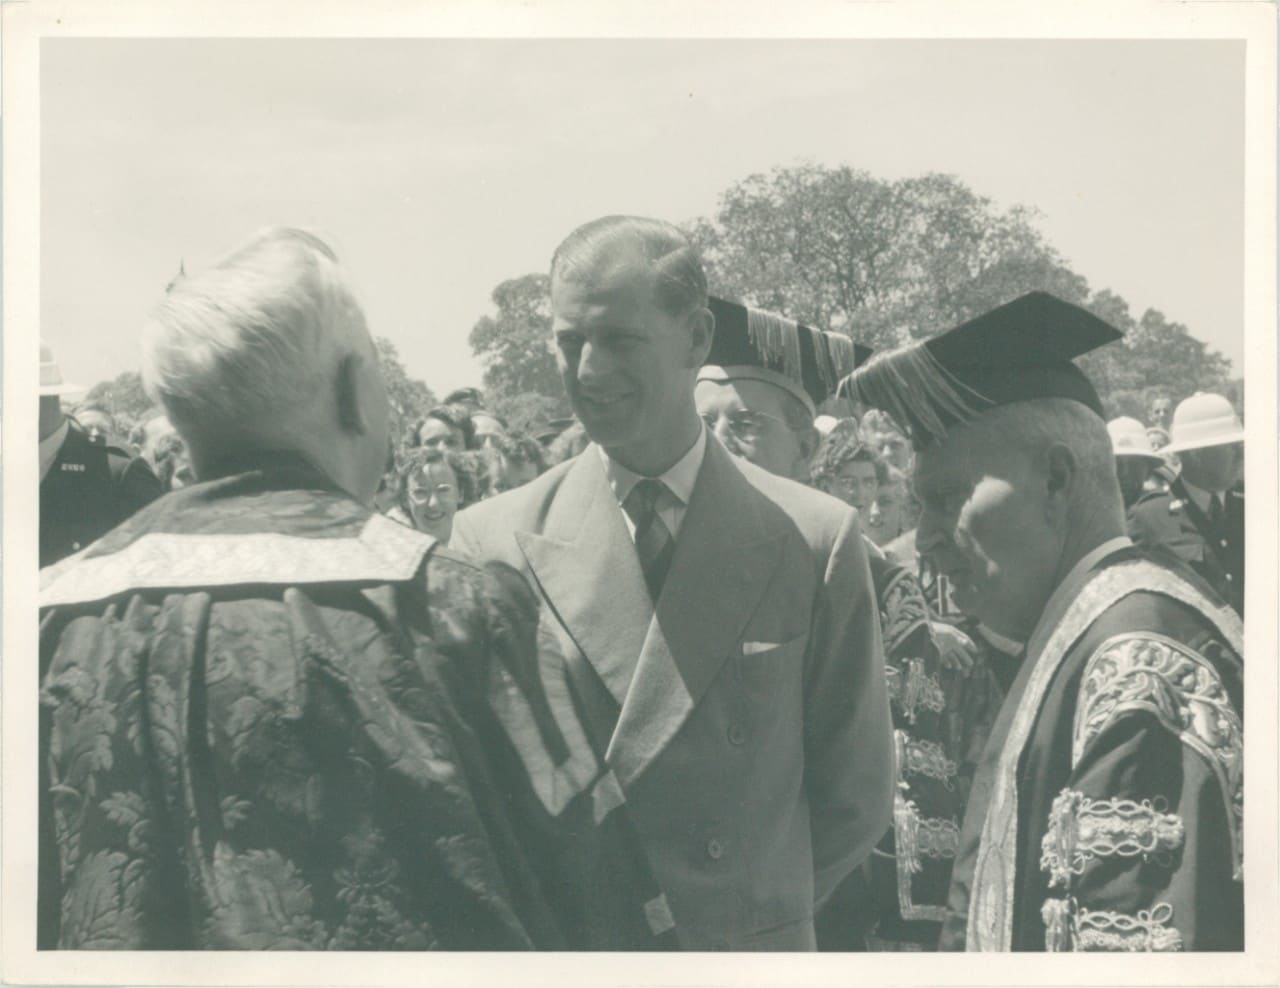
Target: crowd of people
x=778, y=644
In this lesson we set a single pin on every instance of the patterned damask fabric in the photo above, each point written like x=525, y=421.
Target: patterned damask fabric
x=318, y=767
x=244, y=776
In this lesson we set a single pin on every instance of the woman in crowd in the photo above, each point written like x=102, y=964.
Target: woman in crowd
x=446, y=427
x=434, y=485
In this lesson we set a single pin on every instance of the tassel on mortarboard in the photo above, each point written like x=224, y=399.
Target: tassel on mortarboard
x=1020, y=351
x=766, y=346
x=917, y=392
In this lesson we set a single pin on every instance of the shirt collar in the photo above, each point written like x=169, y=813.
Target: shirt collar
x=679, y=478
x=50, y=445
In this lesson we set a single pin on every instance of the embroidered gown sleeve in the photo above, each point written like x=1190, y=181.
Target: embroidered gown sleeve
x=927, y=798
x=1143, y=847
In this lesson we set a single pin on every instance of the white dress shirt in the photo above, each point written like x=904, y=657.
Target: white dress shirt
x=679, y=481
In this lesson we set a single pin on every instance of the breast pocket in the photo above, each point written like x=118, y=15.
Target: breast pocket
x=768, y=685
x=765, y=659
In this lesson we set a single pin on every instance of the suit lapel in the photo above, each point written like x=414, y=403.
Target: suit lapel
x=586, y=565
x=725, y=555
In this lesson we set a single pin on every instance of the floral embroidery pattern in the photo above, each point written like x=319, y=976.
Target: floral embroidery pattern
x=903, y=609
x=1082, y=829
x=914, y=838
x=383, y=550
x=1150, y=673
x=926, y=758
x=914, y=689
x=1070, y=928
x=990, y=920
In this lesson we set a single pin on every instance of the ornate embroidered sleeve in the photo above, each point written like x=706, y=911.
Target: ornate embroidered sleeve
x=1142, y=850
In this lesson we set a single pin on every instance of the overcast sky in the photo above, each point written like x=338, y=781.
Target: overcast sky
x=440, y=168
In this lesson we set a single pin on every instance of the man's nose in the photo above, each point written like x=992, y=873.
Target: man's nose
x=593, y=363
x=873, y=513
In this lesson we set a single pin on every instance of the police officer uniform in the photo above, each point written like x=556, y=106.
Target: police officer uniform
x=88, y=488
x=1204, y=528
x=1176, y=520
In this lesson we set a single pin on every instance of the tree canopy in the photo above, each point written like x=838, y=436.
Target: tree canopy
x=123, y=396
x=889, y=261
x=520, y=377
x=410, y=398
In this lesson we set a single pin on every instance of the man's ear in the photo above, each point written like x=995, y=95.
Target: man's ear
x=702, y=328
x=1060, y=478
x=349, y=398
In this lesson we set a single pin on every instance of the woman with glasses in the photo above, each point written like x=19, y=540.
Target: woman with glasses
x=434, y=485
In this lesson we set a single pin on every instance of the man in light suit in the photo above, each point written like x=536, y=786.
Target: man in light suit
x=715, y=623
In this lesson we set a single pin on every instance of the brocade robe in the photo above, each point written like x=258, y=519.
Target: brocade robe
x=274, y=719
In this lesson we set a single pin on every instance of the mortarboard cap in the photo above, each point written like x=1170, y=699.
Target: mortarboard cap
x=751, y=343
x=1017, y=352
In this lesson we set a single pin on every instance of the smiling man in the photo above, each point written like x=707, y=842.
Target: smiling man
x=1106, y=810
x=715, y=622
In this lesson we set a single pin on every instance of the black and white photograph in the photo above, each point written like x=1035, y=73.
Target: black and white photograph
x=533, y=478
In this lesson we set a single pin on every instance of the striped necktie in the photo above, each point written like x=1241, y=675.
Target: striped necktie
x=654, y=544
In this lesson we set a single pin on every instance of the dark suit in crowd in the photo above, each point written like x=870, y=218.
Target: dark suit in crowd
x=1174, y=520
x=90, y=489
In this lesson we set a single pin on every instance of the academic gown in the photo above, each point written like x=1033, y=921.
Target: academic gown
x=1106, y=814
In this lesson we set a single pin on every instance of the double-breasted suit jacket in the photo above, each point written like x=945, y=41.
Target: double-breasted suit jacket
x=750, y=740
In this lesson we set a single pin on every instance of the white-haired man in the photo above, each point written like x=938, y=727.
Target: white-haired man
x=1106, y=810
x=717, y=622
x=266, y=718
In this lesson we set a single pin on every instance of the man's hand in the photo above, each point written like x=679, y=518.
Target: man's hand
x=956, y=650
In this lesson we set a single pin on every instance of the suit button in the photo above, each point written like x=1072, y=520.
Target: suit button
x=1223, y=543
x=75, y=545
x=715, y=849
x=737, y=735
x=1228, y=577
